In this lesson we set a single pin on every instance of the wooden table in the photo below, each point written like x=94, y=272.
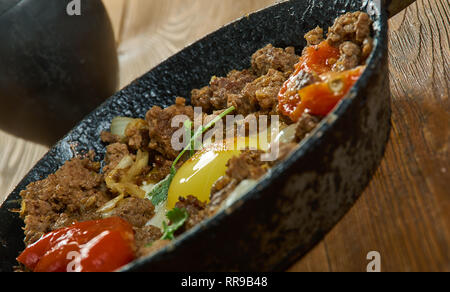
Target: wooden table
x=404, y=213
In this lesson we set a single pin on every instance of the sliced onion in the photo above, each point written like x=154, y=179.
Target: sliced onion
x=126, y=162
x=111, y=205
x=119, y=125
x=160, y=216
x=132, y=190
x=138, y=167
x=148, y=188
x=126, y=184
x=287, y=135
x=160, y=210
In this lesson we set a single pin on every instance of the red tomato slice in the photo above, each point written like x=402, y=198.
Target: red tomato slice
x=93, y=246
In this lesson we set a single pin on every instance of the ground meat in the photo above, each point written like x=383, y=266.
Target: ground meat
x=114, y=154
x=134, y=210
x=270, y=57
x=306, y=125
x=354, y=27
x=262, y=92
x=246, y=166
x=232, y=84
x=351, y=33
x=284, y=151
x=137, y=134
x=228, y=91
x=144, y=237
x=161, y=168
x=73, y=193
x=244, y=105
x=314, y=37
x=160, y=126
x=151, y=248
x=350, y=57
x=195, y=210
x=109, y=138
x=217, y=132
x=215, y=96
x=146, y=234
x=202, y=98
x=366, y=48
x=220, y=184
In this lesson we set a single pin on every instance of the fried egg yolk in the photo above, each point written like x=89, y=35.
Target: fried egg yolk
x=197, y=176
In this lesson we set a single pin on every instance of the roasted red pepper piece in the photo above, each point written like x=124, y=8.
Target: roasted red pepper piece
x=318, y=59
x=321, y=98
x=93, y=246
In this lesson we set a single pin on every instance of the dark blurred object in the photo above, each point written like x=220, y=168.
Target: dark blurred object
x=54, y=68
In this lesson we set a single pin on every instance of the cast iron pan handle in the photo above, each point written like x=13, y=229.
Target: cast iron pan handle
x=395, y=6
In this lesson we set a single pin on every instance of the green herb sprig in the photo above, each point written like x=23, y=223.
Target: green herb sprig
x=190, y=133
x=177, y=219
x=160, y=192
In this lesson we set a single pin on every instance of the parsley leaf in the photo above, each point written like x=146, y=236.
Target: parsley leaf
x=177, y=218
x=161, y=190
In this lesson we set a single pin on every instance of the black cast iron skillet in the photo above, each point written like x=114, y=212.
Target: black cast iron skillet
x=301, y=200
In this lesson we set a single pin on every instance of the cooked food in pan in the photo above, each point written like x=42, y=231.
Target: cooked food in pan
x=165, y=174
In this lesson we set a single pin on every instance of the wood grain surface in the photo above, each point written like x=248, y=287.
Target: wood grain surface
x=405, y=212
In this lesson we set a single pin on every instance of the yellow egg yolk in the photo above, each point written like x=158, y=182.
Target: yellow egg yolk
x=197, y=175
